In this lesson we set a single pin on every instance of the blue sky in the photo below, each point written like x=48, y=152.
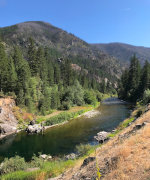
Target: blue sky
x=95, y=21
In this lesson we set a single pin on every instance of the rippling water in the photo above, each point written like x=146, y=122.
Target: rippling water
x=62, y=139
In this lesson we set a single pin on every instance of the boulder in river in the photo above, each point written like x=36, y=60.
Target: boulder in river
x=101, y=136
x=71, y=156
x=45, y=157
x=36, y=128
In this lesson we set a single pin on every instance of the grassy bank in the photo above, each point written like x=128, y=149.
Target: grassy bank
x=17, y=168
x=58, y=117
x=137, y=112
x=54, y=167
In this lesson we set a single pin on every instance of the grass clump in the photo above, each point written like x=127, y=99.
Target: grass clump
x=62, y=117
x=83, y=149
x=47, y=169
x=13, y=164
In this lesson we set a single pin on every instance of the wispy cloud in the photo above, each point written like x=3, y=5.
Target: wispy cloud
x=2, y=3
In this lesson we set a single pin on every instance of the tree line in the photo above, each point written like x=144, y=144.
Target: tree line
x=135, y=81
x=41, y=83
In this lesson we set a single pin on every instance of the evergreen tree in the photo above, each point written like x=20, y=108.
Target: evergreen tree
x=12, y=81
x=42, y=65
x=134, y=78
x=145, y=78
x=32, y=57
x=4, y=71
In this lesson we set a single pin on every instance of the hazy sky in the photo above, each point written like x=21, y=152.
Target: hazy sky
x=95, y=21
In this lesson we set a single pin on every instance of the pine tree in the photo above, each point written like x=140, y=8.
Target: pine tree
x=23, y=73
x=57, y=74
x=145, y=79
x=12, y=81
x=4, y=71
x=42, y=65
x=134, y=78
x=32, y=57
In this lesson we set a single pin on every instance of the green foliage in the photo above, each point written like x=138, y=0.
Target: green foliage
x=62, y=117
x=146, y=96
x=42, y=83
x=83, y=149
x=90, y=97
x=13, y=164
x=135, y=81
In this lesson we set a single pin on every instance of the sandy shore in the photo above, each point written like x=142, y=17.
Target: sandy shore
x=91, y=113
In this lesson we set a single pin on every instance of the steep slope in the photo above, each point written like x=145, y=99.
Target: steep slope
x=67, y=44
x=124, y=51
x=125, y=157
x=8, y=121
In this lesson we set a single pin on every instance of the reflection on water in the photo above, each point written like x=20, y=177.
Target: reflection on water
x=62, y=140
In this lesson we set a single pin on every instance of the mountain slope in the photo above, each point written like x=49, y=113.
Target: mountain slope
x=124, y=51
x=68, y=45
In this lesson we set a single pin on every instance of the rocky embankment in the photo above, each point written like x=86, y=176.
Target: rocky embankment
x=124, y=157
x=8, y=121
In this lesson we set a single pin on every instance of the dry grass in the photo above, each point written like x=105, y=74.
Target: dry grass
x=131, y=154
x=73, y=109
x=41, y=176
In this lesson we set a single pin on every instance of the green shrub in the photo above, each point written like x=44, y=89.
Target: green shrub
x=90, y=97
x=13, y=164
x=83, y=149
x=146, y=96
x=36, y=161
x=65, y=116
x=62, y=117
x=65, y=106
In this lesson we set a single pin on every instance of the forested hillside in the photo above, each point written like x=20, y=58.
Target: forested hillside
x=135, y=82
x=124, y=51
x=41, y=82
x=96, y=63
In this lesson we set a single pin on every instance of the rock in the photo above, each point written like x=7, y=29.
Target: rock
x=139, y=126
x=32, y=122
x=45, y=156
x=6, y=128
x=87, y=161
x=2, y=130
x=36, y=128
x=101, y=136
x=71, y=156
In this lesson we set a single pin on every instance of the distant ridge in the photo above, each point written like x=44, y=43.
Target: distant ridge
x=80, y=52
x=125, y=51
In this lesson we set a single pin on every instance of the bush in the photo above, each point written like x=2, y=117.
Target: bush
x=65, y=106
x=36, y=161
x=59, y=118
x=13, y=164
x=83, y=149
x=65, y=116
x=90, y=97
x=146, y=96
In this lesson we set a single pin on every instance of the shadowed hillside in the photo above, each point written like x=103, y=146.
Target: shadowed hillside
x=124, y=51
x=80, y=52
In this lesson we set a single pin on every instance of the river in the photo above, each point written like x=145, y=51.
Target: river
x=63, y=139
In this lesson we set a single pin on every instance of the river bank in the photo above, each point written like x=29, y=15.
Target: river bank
x=79, y=168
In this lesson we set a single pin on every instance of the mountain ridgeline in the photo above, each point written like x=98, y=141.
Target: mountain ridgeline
x=124, y=52
x=41, y=83
x=95, y=62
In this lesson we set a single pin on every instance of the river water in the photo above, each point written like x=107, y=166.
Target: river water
x=63, y=139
